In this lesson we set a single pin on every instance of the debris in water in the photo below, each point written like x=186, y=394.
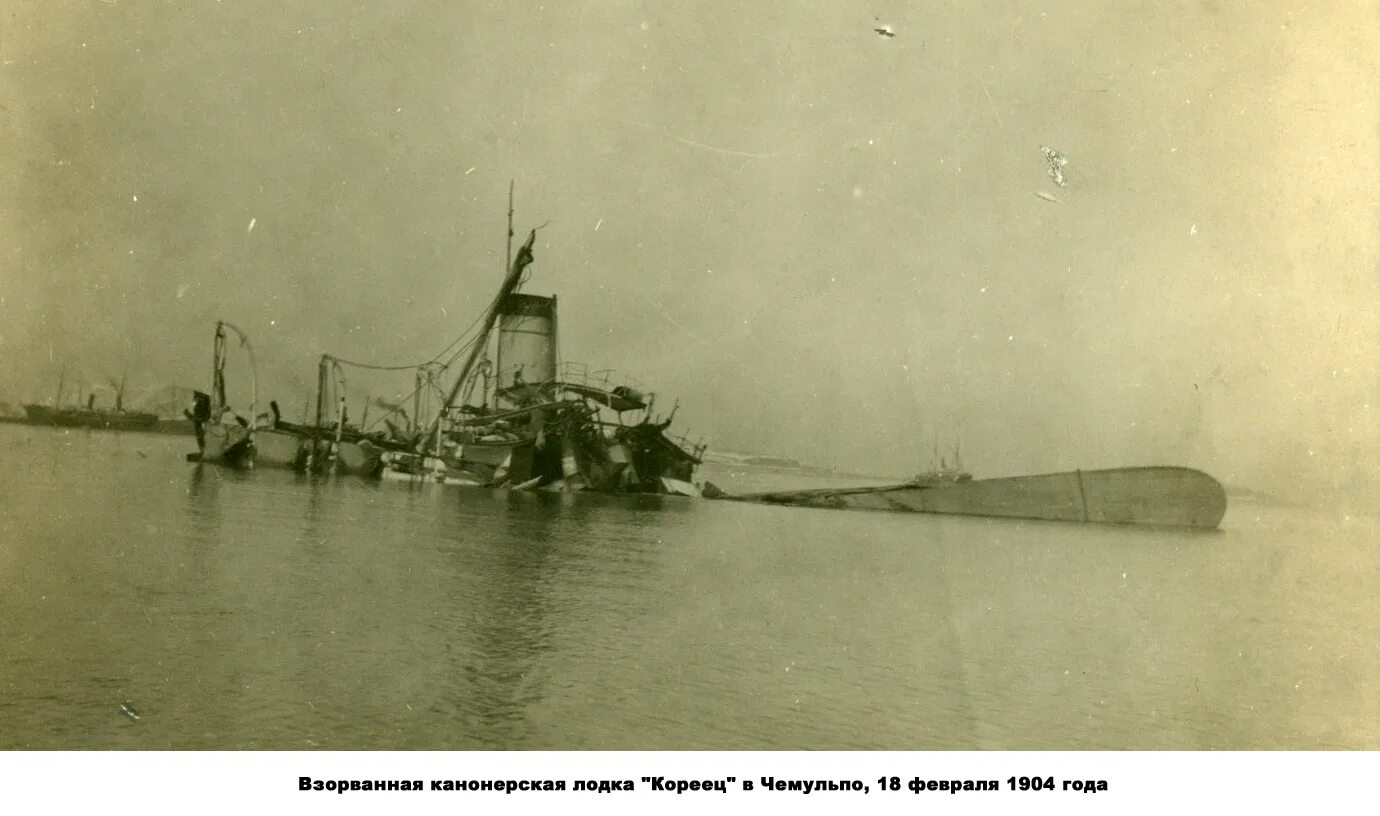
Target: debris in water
x=1056, y=162
x=251, y=225
x=1046, y=196
x=128, y=710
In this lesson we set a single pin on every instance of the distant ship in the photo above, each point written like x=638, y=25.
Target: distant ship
x=90, y=416
x=943, y=473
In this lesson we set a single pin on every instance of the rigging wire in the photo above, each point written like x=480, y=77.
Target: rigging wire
x=463, y=347
x=430, y=381
x=463, y=335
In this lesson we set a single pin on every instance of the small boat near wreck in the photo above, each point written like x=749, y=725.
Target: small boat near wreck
x=1152, y=496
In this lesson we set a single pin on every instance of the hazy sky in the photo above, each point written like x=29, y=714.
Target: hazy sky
x=827, y=243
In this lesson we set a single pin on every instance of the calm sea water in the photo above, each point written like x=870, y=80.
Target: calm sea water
x=275, y=611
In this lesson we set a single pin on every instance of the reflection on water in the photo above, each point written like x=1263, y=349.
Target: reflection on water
x=276, y=610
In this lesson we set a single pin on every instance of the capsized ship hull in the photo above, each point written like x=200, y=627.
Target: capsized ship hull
x=1155, y=496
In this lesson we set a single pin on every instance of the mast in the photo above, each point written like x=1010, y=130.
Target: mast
x=507, y=264
x=62, y=380
x=508, y=258
x=555, y=339
x=218, y=373
x=340, y=415
x=510, y=283
x=320, y=408
x=253, y=371
x=417, y=400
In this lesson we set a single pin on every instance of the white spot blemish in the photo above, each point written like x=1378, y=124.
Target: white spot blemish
x=251, y=225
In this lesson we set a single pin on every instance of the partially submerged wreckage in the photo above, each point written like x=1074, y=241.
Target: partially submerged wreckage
x=514, y=416
x=1152, y=496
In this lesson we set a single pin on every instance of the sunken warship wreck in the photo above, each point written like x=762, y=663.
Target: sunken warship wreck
x=514, y=416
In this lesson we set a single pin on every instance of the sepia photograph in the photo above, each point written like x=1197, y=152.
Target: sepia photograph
x=642, y=377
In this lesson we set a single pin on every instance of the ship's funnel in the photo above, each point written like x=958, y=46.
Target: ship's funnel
x=526, y=364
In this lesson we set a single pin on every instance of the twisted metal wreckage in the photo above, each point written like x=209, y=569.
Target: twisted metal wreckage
x=513, y=416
